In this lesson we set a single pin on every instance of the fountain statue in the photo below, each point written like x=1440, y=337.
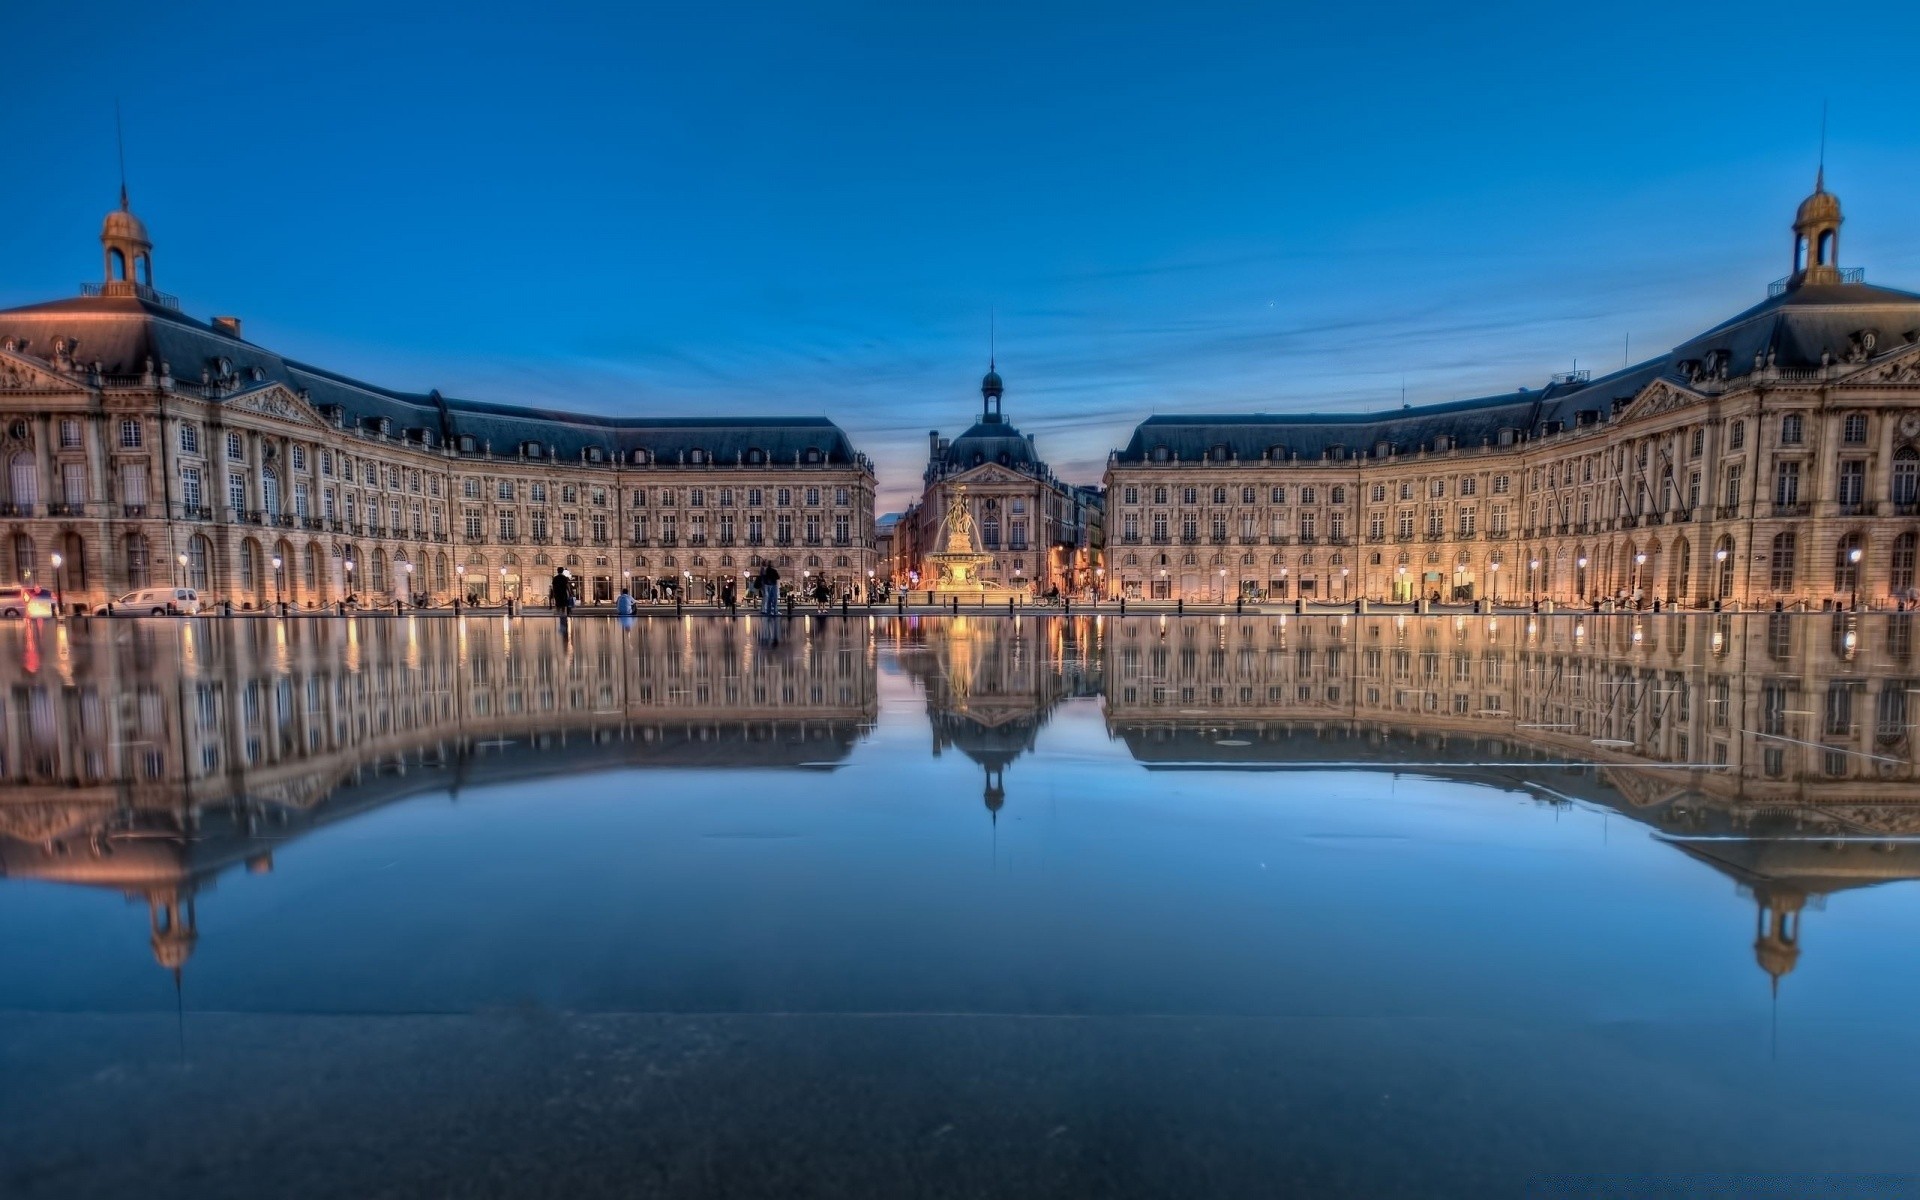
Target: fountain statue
x=959, y=557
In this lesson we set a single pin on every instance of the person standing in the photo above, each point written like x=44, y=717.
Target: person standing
x=730, y=598
x=769, y=591
x=560, y=593
x=624, y=605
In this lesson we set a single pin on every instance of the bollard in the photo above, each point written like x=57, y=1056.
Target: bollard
x=396, y=608
x=1656, y=606
x=1299, y=607
x=1066, y=608
x=1359, y=606
x=903, y=604
x=1180, y=607
x=1123, y=606
x=1596, y=604
x=1239, y=605
x=1779, y=606
x=1009, y=605
x=509, y=606
x=1716, y=606
x=956, y=606
x=843, y=606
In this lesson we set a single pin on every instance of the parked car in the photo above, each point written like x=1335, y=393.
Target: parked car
x=156, y=602
x=25, y=601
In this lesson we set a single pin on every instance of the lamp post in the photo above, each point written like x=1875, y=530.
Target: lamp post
x=1401, y=570
x=1639, y=577
x=279, y=593
x=1533, y=580
x=1720, y=576
x=1581, y=562
x=409, y=570
x=180, y=573
x=1223, y=585
x=1495, y=597
x=59, y=593
x=459, y=581
x=1164, y=589
x=1853, y=572
x=349, y=565
x=1346, y=589
x=504, y=598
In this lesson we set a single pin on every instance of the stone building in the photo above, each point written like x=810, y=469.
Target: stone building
x=1774, y=458
x=145, y=447
x=1034, y=527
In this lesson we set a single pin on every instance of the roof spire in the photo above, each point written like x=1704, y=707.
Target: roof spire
x=1820, y=174
x=120, y=141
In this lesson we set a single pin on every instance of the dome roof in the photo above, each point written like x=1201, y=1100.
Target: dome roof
x=993, y=443
x=122, y=225
x=1821, y=207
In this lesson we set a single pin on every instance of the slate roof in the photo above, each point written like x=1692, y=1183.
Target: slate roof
x=123, y=333
x=1798, y=327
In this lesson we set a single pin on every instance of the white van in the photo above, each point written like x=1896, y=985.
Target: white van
x=156, y=602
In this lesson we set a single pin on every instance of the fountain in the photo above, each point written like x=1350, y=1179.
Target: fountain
x=959, y=558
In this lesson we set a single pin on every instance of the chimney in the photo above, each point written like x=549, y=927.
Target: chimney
x=228, y=325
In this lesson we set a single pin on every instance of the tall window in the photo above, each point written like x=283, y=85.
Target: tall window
x=199, y=556
x=139, y=565
x=130, y=434
x=1731, y=498
x=25, y=557
x=1792, y=429
x=1846, y=570
x=1854, y=429
x=1904, y=548
x=1786, y=483
x=24, y=478
x=270, y=493
x=1906, y=476
x=1736, y=435
x=1853, y=482
x=190, y=494
x=1780, y=572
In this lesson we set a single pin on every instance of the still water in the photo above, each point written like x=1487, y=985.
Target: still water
x=998, y=907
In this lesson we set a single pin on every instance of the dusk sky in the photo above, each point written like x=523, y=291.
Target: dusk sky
x=730, y=209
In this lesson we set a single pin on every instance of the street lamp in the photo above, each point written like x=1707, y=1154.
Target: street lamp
x=180, y=575
x=1581, y=562
x=1401, y=570
x=1853, y=565
x=1223, y=585
x=1495, y=568
x=279, y=597
x=59, y=593
x=1639, y=577
x=1720, y=582
x=1533, y=579
x=409, y=569
x=460, y=581
x=1346, y=590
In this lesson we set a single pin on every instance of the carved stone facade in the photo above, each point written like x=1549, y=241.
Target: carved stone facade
x=264, y=479
x=1038, y=533
x=1749, y=465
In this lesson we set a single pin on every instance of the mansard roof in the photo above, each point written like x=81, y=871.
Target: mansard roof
x=1796, y=329
x=125, y=333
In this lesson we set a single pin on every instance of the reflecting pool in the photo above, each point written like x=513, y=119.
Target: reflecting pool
x=893, y=906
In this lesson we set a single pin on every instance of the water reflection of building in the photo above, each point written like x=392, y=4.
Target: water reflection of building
x=1777, y=749
x=992, y=683
x=151, y=758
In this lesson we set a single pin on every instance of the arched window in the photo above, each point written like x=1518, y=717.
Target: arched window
x=1904, y=547
x=1682, y=569
x=1780, y=565
x=143, y=269
x=1846, y=563
x=1723, y=555
x=1826, y=248
x=1906, y=476
x=310, y=573
x=249, y=566
x=116, y=264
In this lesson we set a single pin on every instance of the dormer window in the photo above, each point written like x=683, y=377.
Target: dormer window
x=1220, y=453
x=1161, y=454
x=812, y=455
x=531, y=449
x=696, y=456
x=756, y=456
x=595, y=454
x=640, y=458
x=466, y=444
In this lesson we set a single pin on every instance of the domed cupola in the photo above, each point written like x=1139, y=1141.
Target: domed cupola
x=128, y=252
x=1816, y=237
x=991, y=389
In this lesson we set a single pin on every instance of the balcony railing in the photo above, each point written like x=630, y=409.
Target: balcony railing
x=1792, y=509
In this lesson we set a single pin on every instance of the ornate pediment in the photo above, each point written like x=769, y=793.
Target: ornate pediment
x=1901, y=367
x=275, y=400
x=1658, y=397
x=21, y=374
x=991, y=473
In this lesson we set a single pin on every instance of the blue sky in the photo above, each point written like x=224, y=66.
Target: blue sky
x=1171, y=208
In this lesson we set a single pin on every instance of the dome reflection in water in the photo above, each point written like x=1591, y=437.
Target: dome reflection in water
x=1087, y=893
